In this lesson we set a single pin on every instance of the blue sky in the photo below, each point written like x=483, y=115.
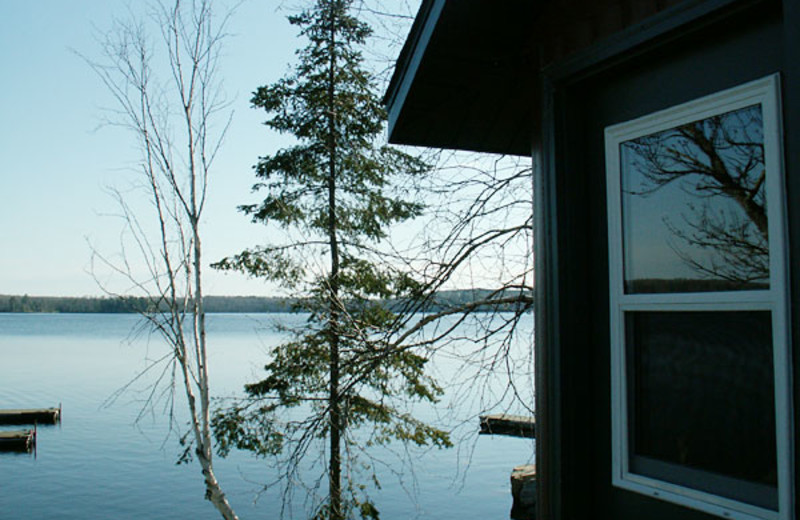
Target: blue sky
x=57, y=159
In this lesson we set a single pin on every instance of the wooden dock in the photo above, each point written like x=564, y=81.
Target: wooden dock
x=17, y=440
x=31, y=416
x=504, y=424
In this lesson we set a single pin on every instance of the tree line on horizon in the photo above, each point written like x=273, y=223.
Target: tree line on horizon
x=11, y=303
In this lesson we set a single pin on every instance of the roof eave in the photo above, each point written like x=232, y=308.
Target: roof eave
x=463, y=79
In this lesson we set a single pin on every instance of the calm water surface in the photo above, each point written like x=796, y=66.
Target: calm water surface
x=100, y=463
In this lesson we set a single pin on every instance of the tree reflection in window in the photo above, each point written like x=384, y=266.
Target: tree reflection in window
x=694, y=206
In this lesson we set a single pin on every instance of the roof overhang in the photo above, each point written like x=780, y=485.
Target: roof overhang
x=464, y=79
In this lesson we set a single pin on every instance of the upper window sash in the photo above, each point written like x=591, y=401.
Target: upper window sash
x=634, y=210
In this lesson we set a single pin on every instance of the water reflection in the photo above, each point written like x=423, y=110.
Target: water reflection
x=694, y=206
x=99, y=465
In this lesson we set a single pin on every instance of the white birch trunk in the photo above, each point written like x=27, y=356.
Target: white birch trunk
x=177, y=179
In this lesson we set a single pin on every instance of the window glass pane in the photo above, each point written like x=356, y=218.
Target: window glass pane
x=701, y=410
x=694, y=206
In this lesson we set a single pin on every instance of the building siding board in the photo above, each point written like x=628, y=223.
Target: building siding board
x=791, y=125
x=546, y=337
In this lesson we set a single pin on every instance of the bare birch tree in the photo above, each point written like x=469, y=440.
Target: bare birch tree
x=167, y=92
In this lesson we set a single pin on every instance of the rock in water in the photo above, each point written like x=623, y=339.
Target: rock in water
x=523, y=492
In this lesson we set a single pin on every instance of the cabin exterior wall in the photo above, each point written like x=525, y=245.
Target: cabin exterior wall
x=590, y=65
x=616, y=61
x=569, y=26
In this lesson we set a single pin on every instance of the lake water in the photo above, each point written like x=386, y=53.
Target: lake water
x=101, y=463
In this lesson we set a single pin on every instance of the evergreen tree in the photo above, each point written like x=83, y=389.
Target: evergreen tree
x=339, y=189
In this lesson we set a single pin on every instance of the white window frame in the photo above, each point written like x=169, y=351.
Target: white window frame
x=765, y=92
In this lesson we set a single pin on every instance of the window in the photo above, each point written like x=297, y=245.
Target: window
x=699, y=340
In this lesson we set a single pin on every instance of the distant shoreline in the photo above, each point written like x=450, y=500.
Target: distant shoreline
x=213, y=304
x=112, y=305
